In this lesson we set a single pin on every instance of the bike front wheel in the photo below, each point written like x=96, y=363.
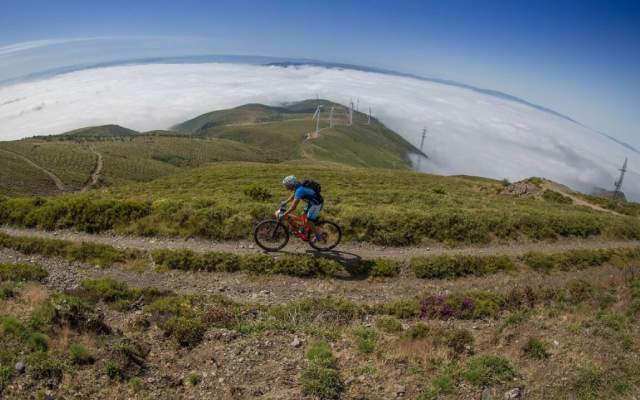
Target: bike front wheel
x=271, y=235
x=330, y=236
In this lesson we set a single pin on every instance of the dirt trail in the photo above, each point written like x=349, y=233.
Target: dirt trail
x=577, y=200
x=95, y=175
x=57, y=181
x=277, y=289
x=345, y=250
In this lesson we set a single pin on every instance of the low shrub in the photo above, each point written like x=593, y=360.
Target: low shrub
x=572, y=259
x=61, y=309
x=417, y=331
x=469, y=305
x=79, y=355
x=555, y=197
x=589, y=382
x=539, y=261
x=42, y=365
x=488, y=369
x=92, y=253
x=403, y=308
x=295, y=265
x=321, y=378
x=193, y=379
x=113, y=371
x=389, y=324
x=116, y=293
x=365, y=339
x=439, y=267
x=22, y=272
x=442, y=384
x=535, y=348
x=325, y=312
x=258, y=193
x=384, y=267
x=8, y=290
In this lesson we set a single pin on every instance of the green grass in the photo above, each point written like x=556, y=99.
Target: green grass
x=321, y=378
x=579, y=258
x=389, y=324
x=438, y=267
x=211, y=202
x=92, y=253
x=17, y=177
x=535, y=348
x=366, y=339
x=79, y=355
x=22, y=272
x=71, y=162
x=488, y=369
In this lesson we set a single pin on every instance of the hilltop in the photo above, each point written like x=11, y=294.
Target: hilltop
x=252, y=132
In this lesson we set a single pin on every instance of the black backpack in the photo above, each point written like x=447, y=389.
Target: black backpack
x=315, y=186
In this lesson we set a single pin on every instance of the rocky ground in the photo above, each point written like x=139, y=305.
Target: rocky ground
x=582, y=354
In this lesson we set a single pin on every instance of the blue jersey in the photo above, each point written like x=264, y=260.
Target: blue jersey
x=307, y=194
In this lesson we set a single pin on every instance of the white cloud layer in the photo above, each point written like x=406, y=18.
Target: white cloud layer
x=469, y=132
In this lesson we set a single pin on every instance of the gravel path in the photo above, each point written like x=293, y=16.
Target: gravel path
x=93, y=179
x=344, y=251
x=278, y=288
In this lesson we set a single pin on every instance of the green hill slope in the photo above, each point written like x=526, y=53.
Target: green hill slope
x=253, y=132
x=95, y=132
x=281, y=132
x=222, y=201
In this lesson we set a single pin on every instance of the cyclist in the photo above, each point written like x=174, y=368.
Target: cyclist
x=304, y=191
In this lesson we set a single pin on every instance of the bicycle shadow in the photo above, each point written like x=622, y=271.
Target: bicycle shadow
x=354, y=267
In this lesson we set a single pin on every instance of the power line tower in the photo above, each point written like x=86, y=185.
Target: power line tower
x=617, y=193
x=369, y=117
x=351, y=113
x=424, y=135
x=316, y=116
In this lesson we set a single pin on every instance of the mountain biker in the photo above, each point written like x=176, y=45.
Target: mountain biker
x=313, y=198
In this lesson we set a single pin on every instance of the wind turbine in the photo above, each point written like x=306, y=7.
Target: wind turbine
x=331, y=117
x=316, y=117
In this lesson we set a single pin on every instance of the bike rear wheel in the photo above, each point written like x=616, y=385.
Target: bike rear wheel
x=271, y=235
x=330, y=237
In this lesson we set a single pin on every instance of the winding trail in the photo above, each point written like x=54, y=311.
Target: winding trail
x=345, y=250
x=577, y=200
x=54, y=178
x=95, y=174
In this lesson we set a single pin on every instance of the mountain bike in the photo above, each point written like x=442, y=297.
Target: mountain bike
x=273, y=234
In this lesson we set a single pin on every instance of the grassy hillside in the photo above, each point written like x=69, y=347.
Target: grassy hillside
x=97, y=132
x=71, y=162
x=222, y=201
x=282, y=131
x=252, y=132
x=18, y=177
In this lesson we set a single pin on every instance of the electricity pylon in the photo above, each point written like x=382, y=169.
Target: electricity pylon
x=618, y=184
x=424, y=135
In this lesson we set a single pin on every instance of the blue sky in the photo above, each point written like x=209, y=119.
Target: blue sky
x=580, y=58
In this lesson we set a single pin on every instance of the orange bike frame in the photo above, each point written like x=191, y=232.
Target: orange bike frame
x=296, y=222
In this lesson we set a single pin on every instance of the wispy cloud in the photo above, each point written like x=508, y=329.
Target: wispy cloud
x=18, y=47
x=469, y=132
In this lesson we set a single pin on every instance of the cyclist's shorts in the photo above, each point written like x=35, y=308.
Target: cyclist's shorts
x=313, y=211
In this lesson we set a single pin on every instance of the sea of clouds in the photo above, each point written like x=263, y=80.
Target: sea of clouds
x=468, y=132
